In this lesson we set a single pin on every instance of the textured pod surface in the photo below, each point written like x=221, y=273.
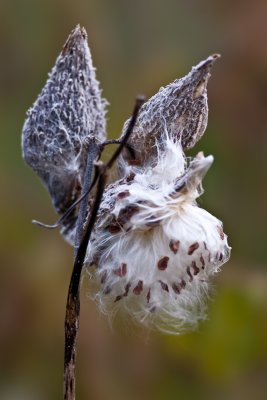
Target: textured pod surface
x=181, y=108
x=154, y=249
x=67, y=118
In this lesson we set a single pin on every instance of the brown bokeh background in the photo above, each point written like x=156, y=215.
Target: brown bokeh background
x=137, y=46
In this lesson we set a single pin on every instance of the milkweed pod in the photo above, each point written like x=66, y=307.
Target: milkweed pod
x=180, y=108
x=65, y=121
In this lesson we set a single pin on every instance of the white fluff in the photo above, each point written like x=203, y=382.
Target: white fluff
x=156, y=266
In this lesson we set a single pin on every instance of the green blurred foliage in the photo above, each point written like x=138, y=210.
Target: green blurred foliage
x=137, y=46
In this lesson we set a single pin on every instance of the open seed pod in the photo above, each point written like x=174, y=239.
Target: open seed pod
x=178, y=111
x=64, y=123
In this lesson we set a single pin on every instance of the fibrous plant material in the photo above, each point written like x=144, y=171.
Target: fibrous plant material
x=153, y=247
x=147, y=245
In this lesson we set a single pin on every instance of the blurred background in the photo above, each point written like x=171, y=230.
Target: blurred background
x=137, y=46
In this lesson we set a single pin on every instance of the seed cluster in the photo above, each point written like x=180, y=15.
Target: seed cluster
x=155, y=248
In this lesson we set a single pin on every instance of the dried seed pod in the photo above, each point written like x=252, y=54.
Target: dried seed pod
x=179, y=111
x=65, y=121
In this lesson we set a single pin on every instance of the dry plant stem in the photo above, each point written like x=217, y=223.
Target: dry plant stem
x=92, y=155
x=73, y=300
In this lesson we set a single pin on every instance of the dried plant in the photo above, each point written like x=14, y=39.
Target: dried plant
x=143, y=239
x=65, y=126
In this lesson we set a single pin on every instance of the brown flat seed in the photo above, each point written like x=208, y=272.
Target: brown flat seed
x=134, y=162
x=148, y=296
x=153, y=223
x=174, y=245
x=220, y=230
x=192, y=248
x=176, y=288
x=163, y=263
x=183, y=283
x=121, y=271
x=164, y=286
x=127, y=288
x=202, y=261
x=195, y=268
x=107, y=290
x=138, y=288
x=124, y=194
x=103, y=278
x=118, y=298
x=130, y=177
x=114, y=228
x=126, y=214
x=189, y=274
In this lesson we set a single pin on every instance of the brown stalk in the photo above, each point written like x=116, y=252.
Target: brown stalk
x=73, y=300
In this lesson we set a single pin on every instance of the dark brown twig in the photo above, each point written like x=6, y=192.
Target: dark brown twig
x=73, y=300
x=92, y=156
x=118, y=141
